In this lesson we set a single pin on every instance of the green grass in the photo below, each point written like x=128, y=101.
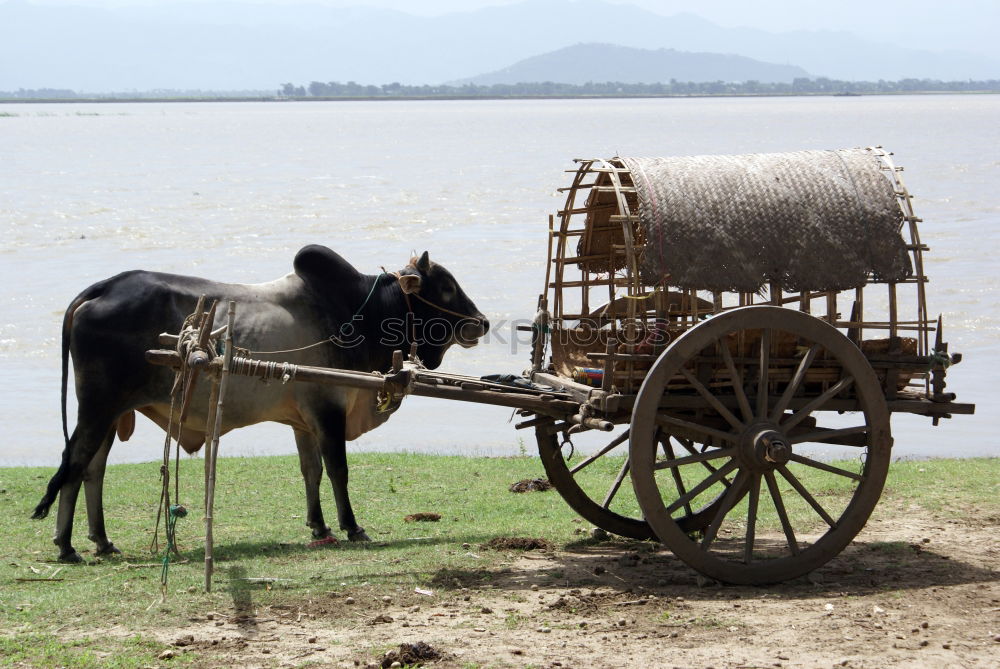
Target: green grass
x=260, y=533
x=946, y=486
x=46, y=650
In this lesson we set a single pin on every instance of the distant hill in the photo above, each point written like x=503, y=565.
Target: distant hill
x=241, y=44
x=583, y=63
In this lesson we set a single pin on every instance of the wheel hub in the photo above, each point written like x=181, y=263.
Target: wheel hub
x=764, y=447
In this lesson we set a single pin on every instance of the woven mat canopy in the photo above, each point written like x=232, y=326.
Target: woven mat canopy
x=808, y=220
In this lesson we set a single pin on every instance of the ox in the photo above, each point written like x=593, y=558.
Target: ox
x=110, y=325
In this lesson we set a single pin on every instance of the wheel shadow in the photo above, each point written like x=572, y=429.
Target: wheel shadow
x=626, y=566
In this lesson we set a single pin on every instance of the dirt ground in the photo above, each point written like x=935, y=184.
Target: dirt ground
x=913, y=591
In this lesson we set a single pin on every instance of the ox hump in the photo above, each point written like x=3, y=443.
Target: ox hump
x=320, y=266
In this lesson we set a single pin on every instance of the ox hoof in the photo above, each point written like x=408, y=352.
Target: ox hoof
x=323, y=533
x=71, y=557
x=107, y=549
x=358, y=535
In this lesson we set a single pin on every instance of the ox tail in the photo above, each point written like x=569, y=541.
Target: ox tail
x=56, y=482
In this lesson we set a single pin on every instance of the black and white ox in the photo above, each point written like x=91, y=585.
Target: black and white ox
x=110, y=325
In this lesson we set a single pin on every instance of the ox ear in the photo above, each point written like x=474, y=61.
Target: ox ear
x=424, y=264
x=410, y=283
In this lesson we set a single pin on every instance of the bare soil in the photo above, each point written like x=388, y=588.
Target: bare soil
x=913, y=590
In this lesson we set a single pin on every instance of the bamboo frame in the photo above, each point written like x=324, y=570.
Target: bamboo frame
x=601, y=198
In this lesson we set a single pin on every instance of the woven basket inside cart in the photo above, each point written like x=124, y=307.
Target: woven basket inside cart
x=808, y=220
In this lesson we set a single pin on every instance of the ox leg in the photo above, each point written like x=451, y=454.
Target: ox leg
x=93, y=487
x=334, y=448
x=311, y=464
x=87, y=440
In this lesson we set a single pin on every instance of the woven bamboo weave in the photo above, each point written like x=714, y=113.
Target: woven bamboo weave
x=808, y=220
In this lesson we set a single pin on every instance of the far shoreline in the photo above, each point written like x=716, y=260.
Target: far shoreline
x=431, y=98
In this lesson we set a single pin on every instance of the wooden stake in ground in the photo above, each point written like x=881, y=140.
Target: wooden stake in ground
x=212, y=453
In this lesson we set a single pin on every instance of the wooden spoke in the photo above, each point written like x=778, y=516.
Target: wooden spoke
x=779, y=506
x=712, y=400
x=702, y=487
x=751, y=518
x=762, y=373
x=801, y=489
x=728, y=501
x=801, y=459
x=689, y=446
x=697, y=457
x=584, y=493
x=773, y=389
x=616, y=485
x=664, y=421
x=617, y=441
x=668, y=449
x=805, y=411
x=737, y=379
x=793, y=385
x=826, y=435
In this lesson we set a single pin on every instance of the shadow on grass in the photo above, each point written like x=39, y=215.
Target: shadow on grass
x=243, y=550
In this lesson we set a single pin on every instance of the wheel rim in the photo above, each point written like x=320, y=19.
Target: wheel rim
x=779, y=512
x=598, y=496
x=602, y=498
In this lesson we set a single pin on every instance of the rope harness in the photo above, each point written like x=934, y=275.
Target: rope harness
x=344, y=332
x=194, y=336
x=190, y=339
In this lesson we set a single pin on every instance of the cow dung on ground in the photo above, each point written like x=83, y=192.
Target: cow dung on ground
x=423, y=517
x=411, y=654
x=517, y=544
x=531, y=485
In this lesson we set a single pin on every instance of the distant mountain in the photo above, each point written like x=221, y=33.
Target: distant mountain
x=582, y=63
x=246, y=45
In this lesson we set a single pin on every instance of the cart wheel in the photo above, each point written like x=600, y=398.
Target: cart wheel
x=617, y=511
x=593, y=486
x=761, y=375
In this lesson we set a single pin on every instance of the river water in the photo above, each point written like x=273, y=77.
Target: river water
x=230, y=191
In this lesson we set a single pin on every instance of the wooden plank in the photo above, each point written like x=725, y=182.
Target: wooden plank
x=586, y=210
x=614, y=189
x=574, y=187
x=577, y=259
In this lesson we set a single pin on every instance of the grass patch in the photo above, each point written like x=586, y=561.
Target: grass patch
x=262, y=558
x=959, y=487
x=46, y=650
x=941, y=486
x=260, y=533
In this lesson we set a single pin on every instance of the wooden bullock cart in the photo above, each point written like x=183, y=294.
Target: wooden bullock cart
x=740, y=329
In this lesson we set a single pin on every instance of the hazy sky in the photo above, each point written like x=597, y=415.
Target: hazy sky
x=968, y=25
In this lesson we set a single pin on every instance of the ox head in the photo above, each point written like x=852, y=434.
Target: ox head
x=444, y=314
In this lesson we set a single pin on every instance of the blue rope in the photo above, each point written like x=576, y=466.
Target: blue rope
x=176, y=511
x=939, y=359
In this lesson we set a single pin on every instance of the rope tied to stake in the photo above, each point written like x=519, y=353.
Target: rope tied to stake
x=939, y=360
x=176, y=511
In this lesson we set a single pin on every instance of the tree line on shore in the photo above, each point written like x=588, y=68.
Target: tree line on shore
x=351, y=89
x=799, y=86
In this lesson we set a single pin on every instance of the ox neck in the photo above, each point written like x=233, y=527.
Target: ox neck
x=390, y=319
